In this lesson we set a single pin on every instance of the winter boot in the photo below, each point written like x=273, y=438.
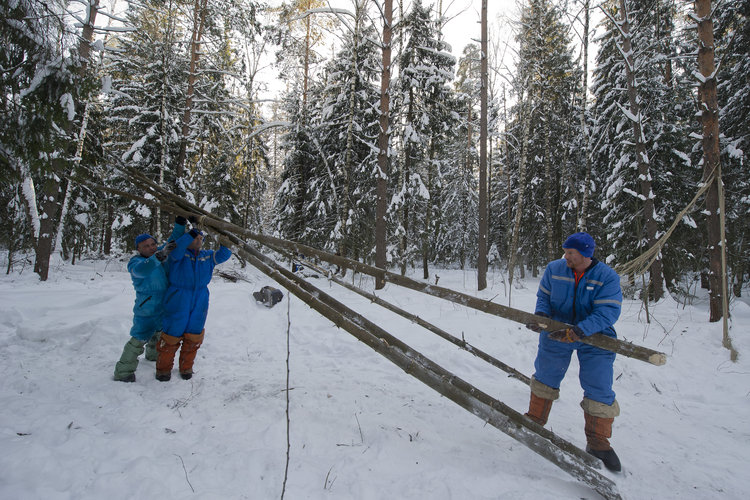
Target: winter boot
x=151, y=353
x=190, y=344
x=540, y=404
x=598, y=430
x=125, y=368
x=539, y=409
x=166, y=349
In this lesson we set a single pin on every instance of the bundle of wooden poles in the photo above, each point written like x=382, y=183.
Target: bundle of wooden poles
x=562, y=453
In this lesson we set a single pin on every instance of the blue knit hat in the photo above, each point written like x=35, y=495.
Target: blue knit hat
x=583, y=242
x=141, y=238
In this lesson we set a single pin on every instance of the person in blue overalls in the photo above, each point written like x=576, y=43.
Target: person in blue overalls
x=148, y=272
x=186, y=303
x=585, y=293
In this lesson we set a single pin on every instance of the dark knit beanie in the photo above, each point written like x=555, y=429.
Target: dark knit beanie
x=583, y=242
x=141, y=238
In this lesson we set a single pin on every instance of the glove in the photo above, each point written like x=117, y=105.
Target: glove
x=224, y=241
x=162, y=254
x=193, y=219
x=536, y=327
x=195, y=233
x=180, y=220
x=567, y=335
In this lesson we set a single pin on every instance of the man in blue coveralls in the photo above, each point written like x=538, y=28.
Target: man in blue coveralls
x=585, y=293
x=186, y=303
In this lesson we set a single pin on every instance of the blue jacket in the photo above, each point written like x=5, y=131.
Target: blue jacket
x=593, y=306
x=186, y=301
x=150, y=282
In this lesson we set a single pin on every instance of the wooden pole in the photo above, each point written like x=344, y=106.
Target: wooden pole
x=428, y=326
x=182, y=207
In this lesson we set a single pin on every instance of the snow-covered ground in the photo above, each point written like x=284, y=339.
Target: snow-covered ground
x=360, y=428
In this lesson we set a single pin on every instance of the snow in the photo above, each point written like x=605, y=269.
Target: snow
x=360, y=427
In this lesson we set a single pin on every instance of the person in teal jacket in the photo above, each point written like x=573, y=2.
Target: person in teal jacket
x=186, y=303
x=585, y=293
x=148, y=271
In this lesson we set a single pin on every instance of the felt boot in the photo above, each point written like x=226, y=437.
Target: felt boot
x=190, y=344
x=125, y=368
x=151, y=353
x=539, y=409
x=166, y=349
x=598, y=431
x=540, y=404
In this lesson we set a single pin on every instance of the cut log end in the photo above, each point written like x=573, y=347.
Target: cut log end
x=658, y=359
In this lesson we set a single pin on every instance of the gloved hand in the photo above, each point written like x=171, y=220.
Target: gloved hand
x=195, y=233
x=567, y=335
x=162, y=254
x=193, y=219
x=536, y=327
x=180, y=220
x=224, y=241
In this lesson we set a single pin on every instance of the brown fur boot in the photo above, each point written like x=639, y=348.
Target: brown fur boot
x=166, y=349
x=190, y=344
x=598, y=431
x=539, y=409
x=542, y=397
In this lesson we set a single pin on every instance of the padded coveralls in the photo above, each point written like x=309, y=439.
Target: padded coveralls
x=593, y=304
x=186, y=300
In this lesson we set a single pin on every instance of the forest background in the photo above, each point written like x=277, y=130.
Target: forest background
x=178, y=89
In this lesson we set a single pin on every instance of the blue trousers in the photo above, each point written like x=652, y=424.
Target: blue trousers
x=595, y=375
x=185, y=311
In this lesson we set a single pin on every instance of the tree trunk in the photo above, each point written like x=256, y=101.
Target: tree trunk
x=709, y=115
x=428, y=214
x=52, y=189
x=408, y=160
x=199, y=19
x=644, y=173
x=383, y=168
x=482, y=250
x=550, y=222
x=348, y=168
x=513, y=249
x=583, y=206
x=107, y=246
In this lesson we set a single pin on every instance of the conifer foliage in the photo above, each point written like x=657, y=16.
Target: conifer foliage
x=173, y=88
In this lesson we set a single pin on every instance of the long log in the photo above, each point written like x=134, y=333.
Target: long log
x=560, y=452
x=512, y=372
x=179, y=206
x=598, y=340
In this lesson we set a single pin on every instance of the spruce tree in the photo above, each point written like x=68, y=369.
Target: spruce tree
x=422, y=103
x=544, y=124
x=663, y=98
